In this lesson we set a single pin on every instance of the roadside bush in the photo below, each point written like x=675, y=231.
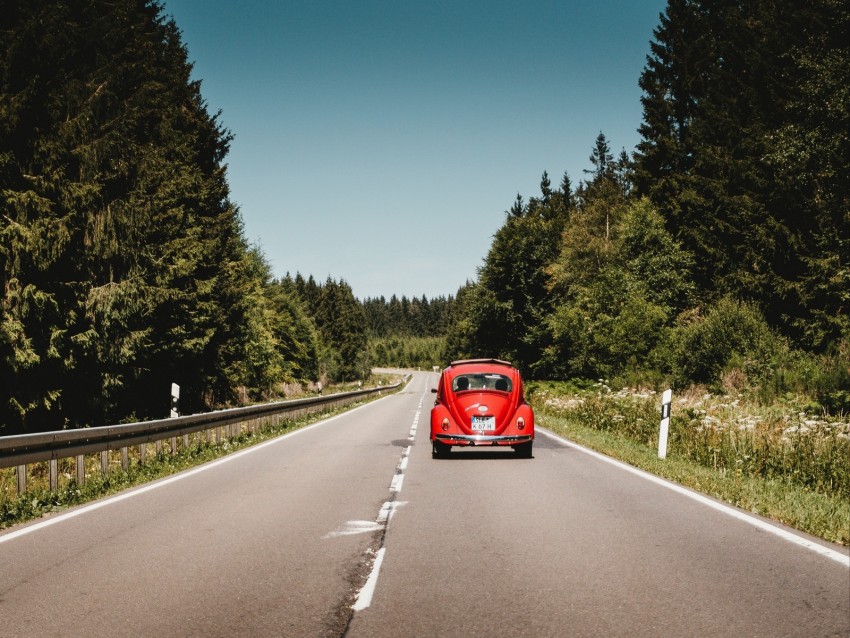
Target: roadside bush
x=823, y=378
x=732, y=335
x=829, y=379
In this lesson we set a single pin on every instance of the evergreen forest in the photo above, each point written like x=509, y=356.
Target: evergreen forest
x=715, y=254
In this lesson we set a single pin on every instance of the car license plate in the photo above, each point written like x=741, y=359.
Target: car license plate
x=483, y=423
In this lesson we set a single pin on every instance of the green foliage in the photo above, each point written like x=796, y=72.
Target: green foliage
x=408, y=333
x=459, y=336
x=824, y=378
x=116, y=216
x=420, y=317
x=323, y=329
x=745, y=152
x=342, y=323
x=407, y=352
x=818, y=462
x=589, y=238
x=623, y=281
x=296, y=335
x=731, y=334
x=648, y=255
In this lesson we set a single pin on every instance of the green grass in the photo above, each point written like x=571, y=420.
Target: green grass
x=795, y=476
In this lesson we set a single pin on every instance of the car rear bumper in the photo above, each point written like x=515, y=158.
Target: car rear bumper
x=482, y=439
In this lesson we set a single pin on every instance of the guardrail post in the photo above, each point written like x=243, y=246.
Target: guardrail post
x=21, y=472
x=81, y=470
x=125, y=460
x=143, y=452
x=104, y=463
x=53, y=464
x=173, y=445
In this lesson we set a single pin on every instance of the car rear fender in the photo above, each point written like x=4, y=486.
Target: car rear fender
x=438, y=413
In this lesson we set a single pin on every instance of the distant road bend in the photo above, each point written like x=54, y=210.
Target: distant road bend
x=348, y=527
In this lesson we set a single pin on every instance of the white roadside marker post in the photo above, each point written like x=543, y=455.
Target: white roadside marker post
x=175, y=397
x=666, y=399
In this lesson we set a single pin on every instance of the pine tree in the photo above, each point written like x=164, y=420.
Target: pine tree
x=342, y=324
x=518, y=208
x=545, y=189
x=601, y=158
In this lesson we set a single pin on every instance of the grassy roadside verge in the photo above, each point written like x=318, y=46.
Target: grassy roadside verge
x=609, y=428
x=38, y=501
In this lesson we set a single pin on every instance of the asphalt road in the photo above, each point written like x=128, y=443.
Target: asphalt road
x=284, y=540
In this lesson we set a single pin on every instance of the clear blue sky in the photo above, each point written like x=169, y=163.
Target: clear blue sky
x=381, y=142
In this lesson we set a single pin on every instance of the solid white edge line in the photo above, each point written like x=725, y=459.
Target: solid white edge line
x=85, y=509
x=364, y=596
x=700, y=498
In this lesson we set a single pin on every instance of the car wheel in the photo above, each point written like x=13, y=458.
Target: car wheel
x=523, y=450
x=440, y=450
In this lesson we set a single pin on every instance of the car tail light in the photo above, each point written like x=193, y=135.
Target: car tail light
x=520, y=423
x=445, y=425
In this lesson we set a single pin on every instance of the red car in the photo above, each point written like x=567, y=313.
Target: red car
x=481, y=402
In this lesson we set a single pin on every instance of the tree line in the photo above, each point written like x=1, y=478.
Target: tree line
x=718, y=252
x=409, y=333
x=416, y=317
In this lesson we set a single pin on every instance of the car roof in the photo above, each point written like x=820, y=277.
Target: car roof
x=463, y=362
x=480, y=365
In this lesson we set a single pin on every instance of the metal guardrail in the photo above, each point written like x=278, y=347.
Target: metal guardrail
x=20, y=450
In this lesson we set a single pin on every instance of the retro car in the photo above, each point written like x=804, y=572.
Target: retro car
x=480, y=402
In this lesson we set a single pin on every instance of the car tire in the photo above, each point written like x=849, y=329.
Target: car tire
x=523, y=450
x=440, y=450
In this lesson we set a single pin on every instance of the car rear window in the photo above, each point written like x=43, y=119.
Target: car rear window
x=482, y=381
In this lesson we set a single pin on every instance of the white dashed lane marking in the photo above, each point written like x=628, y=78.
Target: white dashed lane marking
x=364, y=596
